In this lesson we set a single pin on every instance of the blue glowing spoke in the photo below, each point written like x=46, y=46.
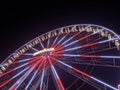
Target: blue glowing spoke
x=19, y=82
x=42, y=77
x=35, y=49
x=31, y=80
x=78, y=47
x=72, y=37
x=97, y=80
x=21, y=66
x=108, y=40
x=24, y=60
x=71, y=55
x=54, y=72
x=31, y=54
x=61, y=39
x=39, y=80
x=48, y=42
x=93, y=56
x=57, y=78
x=71, y=43
x=65, y=64
x=41, y=45
x=116, y=57
x=18, y=67
x=67, y=40
x=14, y=86
x=76, y=41
x=20, y=72
x=75, y=48
x=55, y=40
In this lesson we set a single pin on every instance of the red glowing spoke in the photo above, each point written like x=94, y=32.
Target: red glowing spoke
x=75, y=35
x=61, y=40
x=58, y=52
x=7, y=72
x=38, y=69
x=76, y=41
x=86, y=36
x=91, y=44
x=55, y=54
x=79, y=71
x=42, y=77
x=6, y=82
x=11, y=70
x=24, y=76
x=83, y=73
x=57, y=79
x=90, y=56
x=59, y=47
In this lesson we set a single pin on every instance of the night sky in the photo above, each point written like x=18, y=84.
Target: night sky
x=22, y=21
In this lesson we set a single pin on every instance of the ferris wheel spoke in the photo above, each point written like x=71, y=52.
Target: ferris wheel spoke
x=19, y=81
x=91, y=56
x=37, y=84
x=104, y=49
x=60, y=40
x=81, y=77
x=16, y=68
x=23, y=77
x=88, y=45
x=41, y=81
x=32, y=61
x=46, y=82
x=29, y=54
x=7, y=81
x=76, y=41
x=24, y=60
x=93, y=63
x=83, y=46
x=48, y=42
x=20, y=61
x=56, y=77
x=99, y=56
x=59, y=52
x=75, y=35
x=54, y=41
x=94, y=60
x=87, y=75
x=11, y=70
x=35, y=49
x=59, y=48
x=33, y=77
x=41, y=44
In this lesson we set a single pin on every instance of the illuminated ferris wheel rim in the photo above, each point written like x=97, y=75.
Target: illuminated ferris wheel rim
x=80, y=25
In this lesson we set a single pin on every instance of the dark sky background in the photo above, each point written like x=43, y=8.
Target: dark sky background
x=22, y=21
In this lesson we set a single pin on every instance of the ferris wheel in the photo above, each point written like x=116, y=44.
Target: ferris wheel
x=68, y=58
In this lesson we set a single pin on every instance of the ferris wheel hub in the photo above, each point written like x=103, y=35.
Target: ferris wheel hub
x=44, y=50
